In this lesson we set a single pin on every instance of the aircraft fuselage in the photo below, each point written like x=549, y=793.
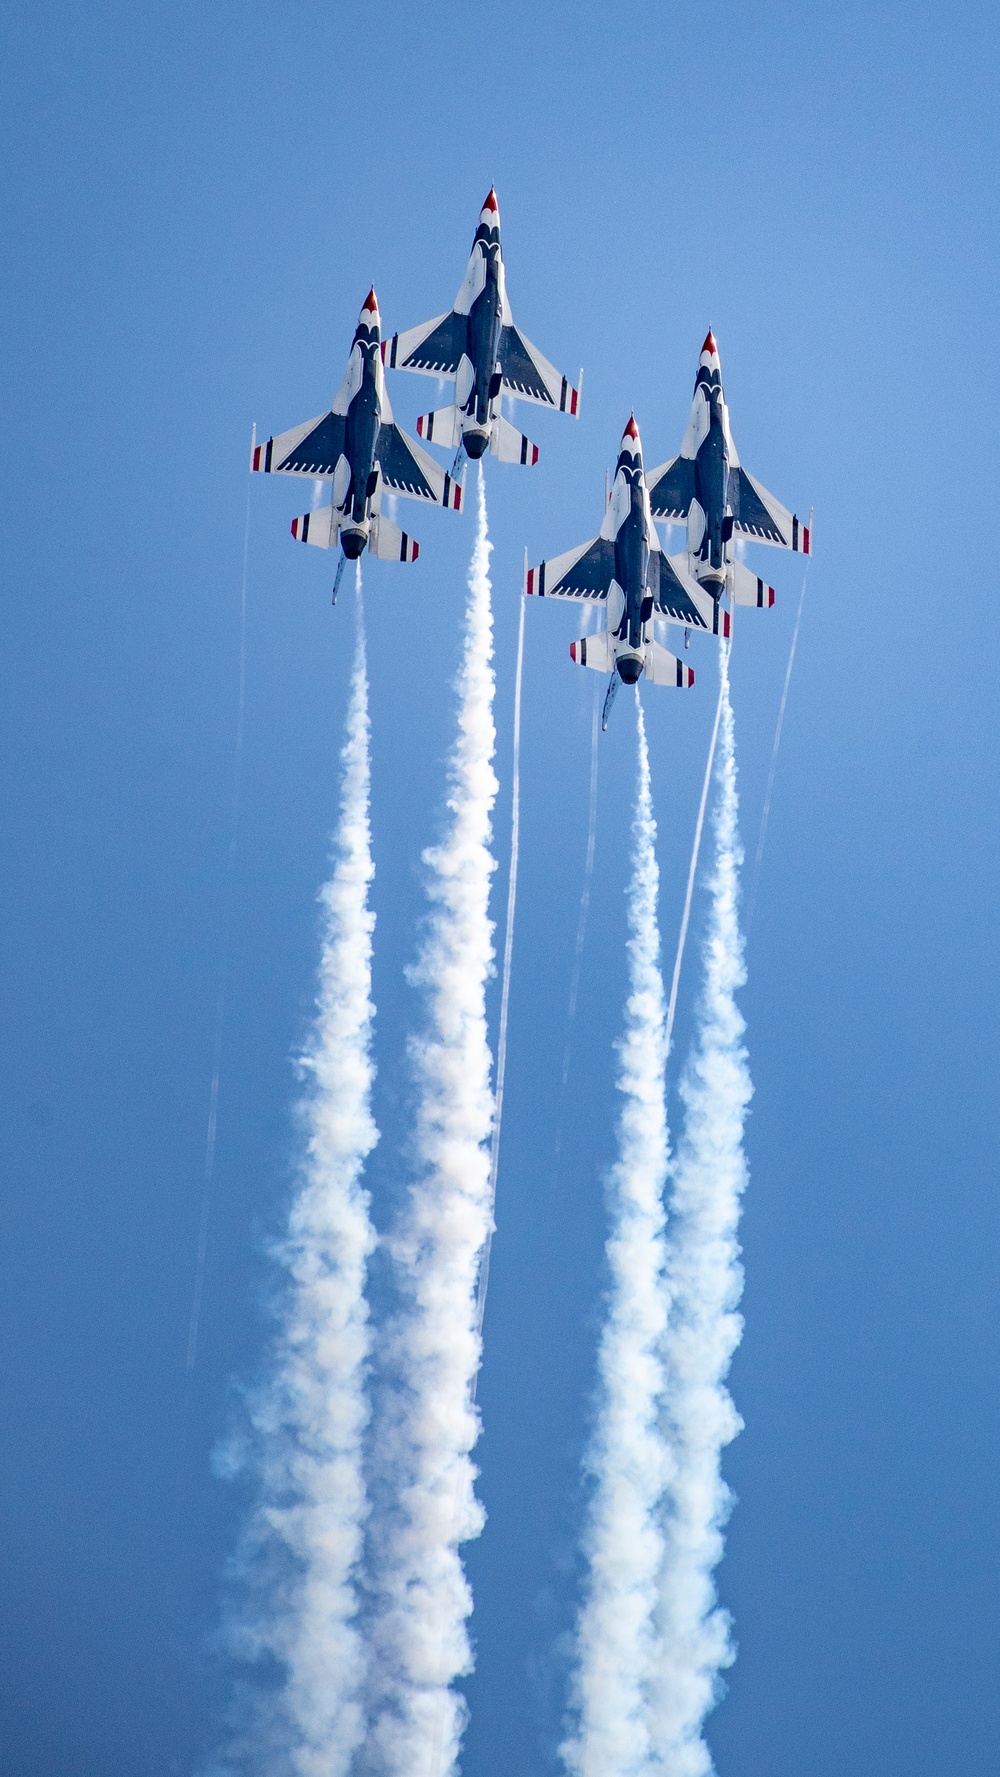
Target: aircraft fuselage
x=483, y=344
x=363, y=421
x=631, y=573
x=711, y=475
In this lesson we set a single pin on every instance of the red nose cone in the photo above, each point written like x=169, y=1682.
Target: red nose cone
x=370, y=304
x=491, y=202
x=631, y=430
x=710, y=345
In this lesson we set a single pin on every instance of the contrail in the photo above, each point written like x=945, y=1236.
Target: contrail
x=588, y=877
x=628, y=1458
x=581, y=928
x=693, y=868
x=423, y=1599
x=766, y=811
x=704, y=1283
x=208, y=1172
x=301, y=1549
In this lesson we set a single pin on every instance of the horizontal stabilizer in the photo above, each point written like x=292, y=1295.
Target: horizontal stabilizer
x=443, y=426
x=388, y=543
x=321, y=527
x=664, y=668
x=748, y=588
x=597, y=651
x=509, y=445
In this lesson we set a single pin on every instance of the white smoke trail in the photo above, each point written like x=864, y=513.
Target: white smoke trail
x=704, y=1284
x=628, y=1457
x=508, y=957
x=423, y=1596
x=693, y=870
x=304, y=1541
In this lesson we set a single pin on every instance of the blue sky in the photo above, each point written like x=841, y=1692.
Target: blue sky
x=196, y=201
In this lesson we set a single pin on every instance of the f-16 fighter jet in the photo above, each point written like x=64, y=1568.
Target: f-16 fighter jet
x=707, y=486
x=478, y=345
x=358, y=447
x=626, y=568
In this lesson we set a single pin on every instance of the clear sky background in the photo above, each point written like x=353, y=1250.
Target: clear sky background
x=196, y=199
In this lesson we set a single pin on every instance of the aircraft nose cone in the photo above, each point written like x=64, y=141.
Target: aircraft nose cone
x=369, y=308
x=491, y=209
x=710, y=345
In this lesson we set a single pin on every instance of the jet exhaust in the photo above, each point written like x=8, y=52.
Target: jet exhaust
x=704, y=1283
x=617, y=1642
x=353, y=543
x=300, y=1548
x=431, y=1424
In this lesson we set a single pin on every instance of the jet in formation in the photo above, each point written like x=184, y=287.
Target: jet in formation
x=626, y=569
x=707, y=488
x=359, y=449
x=478, y=346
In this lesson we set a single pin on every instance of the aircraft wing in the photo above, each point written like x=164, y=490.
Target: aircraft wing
x=583, y=573
x=407, y=469
x=531, y=377
x=434, y=349
x=671, y=488
x=757, y=514
x=313, y=449
x=679, y=598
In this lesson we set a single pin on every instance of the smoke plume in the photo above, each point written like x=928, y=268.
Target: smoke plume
x=430, y=1423
x=617, y=1649
x=704, y=1283
x=301, y=1548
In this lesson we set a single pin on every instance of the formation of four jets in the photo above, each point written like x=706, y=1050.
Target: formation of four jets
x=358, y=448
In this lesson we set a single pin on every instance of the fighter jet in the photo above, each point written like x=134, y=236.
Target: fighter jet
x=358, y=447
x=478, y=345
x=626, y=568
x=707, y=486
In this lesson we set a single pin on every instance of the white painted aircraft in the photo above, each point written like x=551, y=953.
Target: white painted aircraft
x=626, y=569
x=706, y=487
x=478, y=345
x=358, y=447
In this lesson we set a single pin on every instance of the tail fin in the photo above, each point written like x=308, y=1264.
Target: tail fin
x=388, y=543
x=664, y=668
x=322, y=527
x=443, y=426
x=597, y=651
x=509, y=445
x=749, y=588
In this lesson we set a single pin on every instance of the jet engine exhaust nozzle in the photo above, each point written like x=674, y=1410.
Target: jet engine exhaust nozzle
x=629, y=667
x=353, y=543
x=476, y=444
